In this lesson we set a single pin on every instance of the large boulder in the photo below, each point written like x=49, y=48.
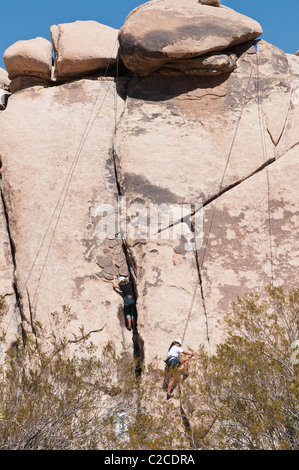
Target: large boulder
x=30, y=57
x=157, y=33
x=29, y=63
x=83, y=47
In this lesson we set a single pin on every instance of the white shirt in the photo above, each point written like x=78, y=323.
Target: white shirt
x=175, y=351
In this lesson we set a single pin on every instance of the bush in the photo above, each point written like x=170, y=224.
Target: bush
x=57, y=393
x=247, y=392
x=53, y=397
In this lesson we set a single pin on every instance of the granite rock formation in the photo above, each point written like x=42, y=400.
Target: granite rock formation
x=195, y=129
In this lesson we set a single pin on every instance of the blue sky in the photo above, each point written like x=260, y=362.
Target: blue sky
x=31, y=18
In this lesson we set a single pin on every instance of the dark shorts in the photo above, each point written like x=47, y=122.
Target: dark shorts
x=174, y=363
x=129, y=307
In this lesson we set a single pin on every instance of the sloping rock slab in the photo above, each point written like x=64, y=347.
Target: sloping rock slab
x=158, y=32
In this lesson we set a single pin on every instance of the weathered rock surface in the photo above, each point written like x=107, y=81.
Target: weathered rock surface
x=160, y=32
x=83, y=47
x=193, y=123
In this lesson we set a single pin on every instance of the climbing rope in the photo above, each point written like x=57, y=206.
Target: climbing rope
x=264, y=151
x=64, y=191
x=215, y=203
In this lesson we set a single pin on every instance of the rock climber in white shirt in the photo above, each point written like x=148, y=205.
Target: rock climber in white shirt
x=174, y=361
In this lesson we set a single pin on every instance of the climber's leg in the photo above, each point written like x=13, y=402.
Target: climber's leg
x=130, y=313
x=173, y=371
x=185, y=362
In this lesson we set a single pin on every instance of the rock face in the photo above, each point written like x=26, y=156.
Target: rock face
x=157, y=33
x=65, y=184
x=104, y=175
x=199, y=126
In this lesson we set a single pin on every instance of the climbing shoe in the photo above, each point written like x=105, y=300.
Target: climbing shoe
x=185, y=376
x=169, y=395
